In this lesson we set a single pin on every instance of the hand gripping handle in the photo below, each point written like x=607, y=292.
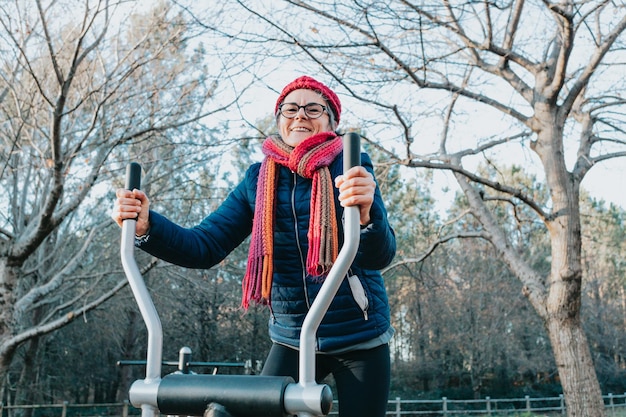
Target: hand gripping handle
x=142, y=393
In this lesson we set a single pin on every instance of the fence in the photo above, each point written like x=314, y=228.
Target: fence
x=615, y=406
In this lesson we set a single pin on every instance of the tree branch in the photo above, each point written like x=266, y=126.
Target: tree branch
x=433, y=246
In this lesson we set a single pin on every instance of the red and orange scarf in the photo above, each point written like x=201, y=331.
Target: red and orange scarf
x=309, y=159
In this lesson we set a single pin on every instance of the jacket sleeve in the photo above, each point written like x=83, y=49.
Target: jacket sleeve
x=378, y=241
x=209, y=242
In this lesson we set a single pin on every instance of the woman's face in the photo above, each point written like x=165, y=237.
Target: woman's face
x=293, y=131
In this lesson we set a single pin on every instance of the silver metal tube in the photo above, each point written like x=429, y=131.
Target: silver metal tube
x=150, y=317
x=308, y=333
x=312, y=400
x=326, y=294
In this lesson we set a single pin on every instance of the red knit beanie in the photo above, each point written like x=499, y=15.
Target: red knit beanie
x=308, y=83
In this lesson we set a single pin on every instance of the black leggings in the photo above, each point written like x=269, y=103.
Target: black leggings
x=362, y=377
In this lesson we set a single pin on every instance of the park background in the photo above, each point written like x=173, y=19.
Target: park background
x=498, y=136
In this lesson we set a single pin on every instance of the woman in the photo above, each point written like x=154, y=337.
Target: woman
x=289, y=204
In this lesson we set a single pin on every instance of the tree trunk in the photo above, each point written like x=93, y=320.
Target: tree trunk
x=8, y=275
x=562, y=319
x=581, y=390
x=26, y=387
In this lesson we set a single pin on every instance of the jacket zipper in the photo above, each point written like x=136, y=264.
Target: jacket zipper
x=295, y=222
x=358, y=293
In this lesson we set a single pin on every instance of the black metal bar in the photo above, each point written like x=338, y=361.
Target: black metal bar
x=133, y=176
x=241, y=395
x=351, y=150
x=191, y=364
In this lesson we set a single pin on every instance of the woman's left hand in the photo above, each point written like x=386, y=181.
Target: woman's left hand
x=356, y=188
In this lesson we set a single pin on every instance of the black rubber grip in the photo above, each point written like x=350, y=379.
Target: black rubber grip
x=351, y=150
x=133, y=176
x=241, y=395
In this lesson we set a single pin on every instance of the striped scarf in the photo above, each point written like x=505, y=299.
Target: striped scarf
x=309, y=159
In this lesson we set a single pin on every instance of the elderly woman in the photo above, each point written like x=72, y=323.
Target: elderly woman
x=289, y=204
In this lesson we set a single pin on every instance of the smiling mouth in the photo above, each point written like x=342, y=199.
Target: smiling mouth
x=301, y=129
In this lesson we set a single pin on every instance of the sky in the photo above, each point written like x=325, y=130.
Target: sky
x=607, y=181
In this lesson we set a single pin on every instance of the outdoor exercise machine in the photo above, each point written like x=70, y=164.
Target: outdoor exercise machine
x=238, y=395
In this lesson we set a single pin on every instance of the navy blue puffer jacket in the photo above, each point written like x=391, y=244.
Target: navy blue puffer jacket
x=350, y=321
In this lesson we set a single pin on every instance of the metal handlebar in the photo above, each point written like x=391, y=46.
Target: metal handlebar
x=144, y=302
x=241, y=395
x=351, y=158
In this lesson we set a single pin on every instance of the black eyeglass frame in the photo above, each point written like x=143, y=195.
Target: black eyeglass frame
x=324, y=109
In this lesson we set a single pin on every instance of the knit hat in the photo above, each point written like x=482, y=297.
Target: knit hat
x=308, y=83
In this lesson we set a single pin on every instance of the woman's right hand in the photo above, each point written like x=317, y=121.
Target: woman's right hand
x=132, y=205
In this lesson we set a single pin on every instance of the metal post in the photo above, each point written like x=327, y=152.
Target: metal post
x=184, y=358
x=144, y=391
x=307, y=387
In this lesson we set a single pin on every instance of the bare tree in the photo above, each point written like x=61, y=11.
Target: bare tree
x=463, y=83
x=84, y=88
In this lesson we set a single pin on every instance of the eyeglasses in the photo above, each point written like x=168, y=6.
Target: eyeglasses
x=312, y=110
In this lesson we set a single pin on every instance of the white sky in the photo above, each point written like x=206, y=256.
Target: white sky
x=607, y=181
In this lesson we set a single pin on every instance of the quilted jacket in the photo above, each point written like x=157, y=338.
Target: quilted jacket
x=360, y=311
